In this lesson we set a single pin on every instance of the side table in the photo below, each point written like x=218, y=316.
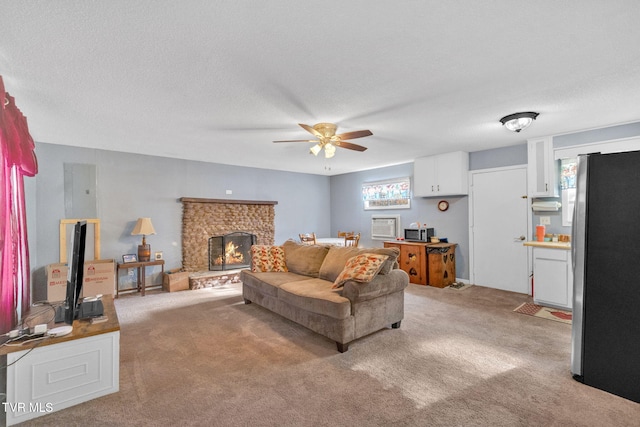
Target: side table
x=140, y=265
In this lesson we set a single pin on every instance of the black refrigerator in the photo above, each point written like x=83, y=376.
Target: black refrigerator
x=605, y=335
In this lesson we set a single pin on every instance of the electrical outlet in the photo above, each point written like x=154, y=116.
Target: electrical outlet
x=545, y=220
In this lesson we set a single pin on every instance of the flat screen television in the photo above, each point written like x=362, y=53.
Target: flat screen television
x=73, y=308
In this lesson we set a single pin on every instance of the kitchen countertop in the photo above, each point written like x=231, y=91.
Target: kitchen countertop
x=550, y=245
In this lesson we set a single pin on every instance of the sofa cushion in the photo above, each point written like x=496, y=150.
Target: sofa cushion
x=361, y=268
x=338, y=256
x=265, y=258
x=316, y=296
x=304, y=259
x=268, y=283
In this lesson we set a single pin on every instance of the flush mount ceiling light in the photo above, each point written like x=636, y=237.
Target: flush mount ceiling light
x=518, y=121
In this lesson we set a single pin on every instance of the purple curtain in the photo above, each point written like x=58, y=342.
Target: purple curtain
x=17, y=159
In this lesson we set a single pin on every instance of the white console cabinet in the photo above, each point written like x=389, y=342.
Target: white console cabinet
x=63, y=371
x=552, y=277
x=441, y=175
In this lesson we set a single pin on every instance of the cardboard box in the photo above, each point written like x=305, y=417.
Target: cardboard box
x=56, y=282
x=175, y=280
x=99, y=277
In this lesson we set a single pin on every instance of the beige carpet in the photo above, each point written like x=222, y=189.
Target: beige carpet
x=204, y=358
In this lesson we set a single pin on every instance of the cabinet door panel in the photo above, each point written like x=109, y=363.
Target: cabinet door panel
x=61, y=375
x=413, y=263
x=452, y=170
x=424, y=177
x=542, y=168
x=552, y=277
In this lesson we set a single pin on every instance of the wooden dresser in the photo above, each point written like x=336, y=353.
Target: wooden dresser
x=431, y=264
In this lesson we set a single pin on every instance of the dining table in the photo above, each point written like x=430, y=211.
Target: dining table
x=336, y=241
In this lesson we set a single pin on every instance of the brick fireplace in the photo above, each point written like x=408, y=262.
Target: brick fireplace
x=205, y=218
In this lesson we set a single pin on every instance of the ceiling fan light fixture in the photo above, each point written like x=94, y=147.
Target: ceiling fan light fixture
x=327, y=139
x=315, y=149
x=518, y=121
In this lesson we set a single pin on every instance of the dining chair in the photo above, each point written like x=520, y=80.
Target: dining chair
x=352, y=240
x=345, y=233
x=308, y=239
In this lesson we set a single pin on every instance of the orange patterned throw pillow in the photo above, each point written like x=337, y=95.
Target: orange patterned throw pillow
x=361, y=268
x=265, y=258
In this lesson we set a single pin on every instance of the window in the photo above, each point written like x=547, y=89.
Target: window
x=389, y=194
x=568, y=170
x=569, y=165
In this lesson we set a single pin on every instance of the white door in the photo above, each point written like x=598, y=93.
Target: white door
x=498, y=228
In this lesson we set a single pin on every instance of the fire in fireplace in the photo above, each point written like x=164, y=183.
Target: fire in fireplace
x=230, y=251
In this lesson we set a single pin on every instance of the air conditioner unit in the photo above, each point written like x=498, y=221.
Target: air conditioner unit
x=385, y=227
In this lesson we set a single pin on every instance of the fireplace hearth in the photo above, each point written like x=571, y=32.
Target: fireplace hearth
x=230, y=251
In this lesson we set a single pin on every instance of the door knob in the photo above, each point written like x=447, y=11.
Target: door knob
x=521, y=238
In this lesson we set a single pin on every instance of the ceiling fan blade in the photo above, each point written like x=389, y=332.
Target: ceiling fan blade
x=349, y=145
x=299, y=140
x=311, y=130
x=354, y=134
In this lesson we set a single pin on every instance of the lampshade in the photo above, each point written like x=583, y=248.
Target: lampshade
x=315, y=149
x=518, y=121
x=143, y=227
x=329, y=150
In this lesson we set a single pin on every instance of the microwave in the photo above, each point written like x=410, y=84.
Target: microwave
x=418, y=234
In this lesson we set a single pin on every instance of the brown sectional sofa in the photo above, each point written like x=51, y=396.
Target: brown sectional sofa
x=304, y=293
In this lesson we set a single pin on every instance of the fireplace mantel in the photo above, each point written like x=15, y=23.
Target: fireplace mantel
x=228, y=201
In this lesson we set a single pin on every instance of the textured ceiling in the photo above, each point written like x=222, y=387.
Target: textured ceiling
x=217, y=81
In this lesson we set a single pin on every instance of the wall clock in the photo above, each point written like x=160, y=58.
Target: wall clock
x=443, y=205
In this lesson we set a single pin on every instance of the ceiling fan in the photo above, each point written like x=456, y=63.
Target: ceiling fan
x=327, y=139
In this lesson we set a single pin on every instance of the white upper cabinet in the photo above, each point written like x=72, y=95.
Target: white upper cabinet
x=542, y=173
x=441, y=175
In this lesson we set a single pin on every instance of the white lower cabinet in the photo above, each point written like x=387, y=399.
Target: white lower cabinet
x=552, y=278
x=53, y=377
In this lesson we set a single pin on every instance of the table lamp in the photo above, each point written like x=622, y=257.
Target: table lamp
x=143, y=227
